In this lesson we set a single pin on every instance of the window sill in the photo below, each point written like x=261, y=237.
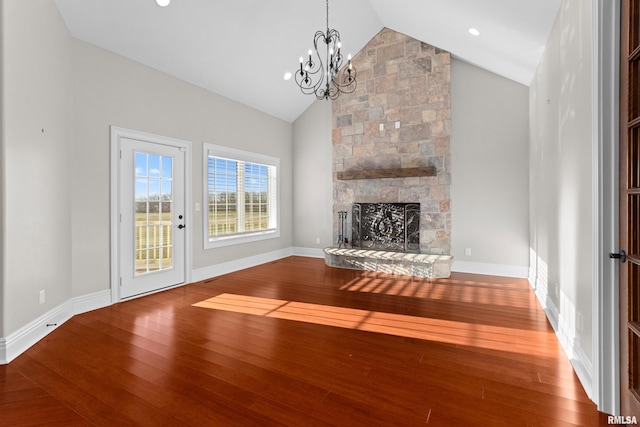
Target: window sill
x=240, y=239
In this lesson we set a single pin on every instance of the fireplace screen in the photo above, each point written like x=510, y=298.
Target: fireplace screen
x=386, y=226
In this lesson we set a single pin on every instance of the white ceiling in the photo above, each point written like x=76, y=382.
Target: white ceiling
x=241, y=48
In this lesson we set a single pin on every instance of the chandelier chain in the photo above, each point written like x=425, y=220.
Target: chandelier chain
x=327, y=17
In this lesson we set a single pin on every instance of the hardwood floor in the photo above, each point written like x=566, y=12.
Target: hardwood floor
x=296, y=343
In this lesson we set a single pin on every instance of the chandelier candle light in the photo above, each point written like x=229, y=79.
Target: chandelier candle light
x=326, y=80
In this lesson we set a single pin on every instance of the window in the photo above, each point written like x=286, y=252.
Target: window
x=241, y=196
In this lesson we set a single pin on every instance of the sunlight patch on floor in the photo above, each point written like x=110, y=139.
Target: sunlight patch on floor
x=452, y=290
x=440, y=330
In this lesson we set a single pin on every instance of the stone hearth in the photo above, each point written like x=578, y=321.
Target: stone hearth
x=406, y=264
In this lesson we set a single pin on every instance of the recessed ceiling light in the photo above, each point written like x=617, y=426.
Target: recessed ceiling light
x=287, y=76
x=474, y=31
x=163, y=3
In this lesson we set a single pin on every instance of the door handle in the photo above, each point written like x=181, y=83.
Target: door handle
x=181, y=226
x=622, y=255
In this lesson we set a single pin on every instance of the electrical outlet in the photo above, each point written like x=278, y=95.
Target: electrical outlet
x=41, y=296
x=579, y=321
x=317, y=240
x=381, y=126
x=467, y=251
x=398, y=125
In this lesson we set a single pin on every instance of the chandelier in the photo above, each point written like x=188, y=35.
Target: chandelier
x=326, y=80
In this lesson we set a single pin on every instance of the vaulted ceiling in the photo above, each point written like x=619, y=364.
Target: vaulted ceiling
x=241, y=49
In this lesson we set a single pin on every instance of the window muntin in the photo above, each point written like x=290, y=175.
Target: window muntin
x=241, y=197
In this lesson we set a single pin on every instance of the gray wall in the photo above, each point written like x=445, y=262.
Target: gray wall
x=489, y=163
x=37, y=142
x=561, y=226
x=112, y=90
x=3, y=227
x=312, y=185
x=60, y=96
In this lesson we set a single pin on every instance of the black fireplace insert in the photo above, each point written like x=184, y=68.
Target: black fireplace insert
x=386, y=226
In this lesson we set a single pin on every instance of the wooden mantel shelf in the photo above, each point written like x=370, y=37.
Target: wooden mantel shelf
x=388, y=173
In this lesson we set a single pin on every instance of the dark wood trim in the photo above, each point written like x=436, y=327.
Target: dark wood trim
x=388, y=173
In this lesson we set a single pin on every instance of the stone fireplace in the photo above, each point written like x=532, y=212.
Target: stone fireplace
x=386, y=226
x=391, y=137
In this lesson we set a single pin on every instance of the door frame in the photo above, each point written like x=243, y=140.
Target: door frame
x=605, y=153
x=116, y=133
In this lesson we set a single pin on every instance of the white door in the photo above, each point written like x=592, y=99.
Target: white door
x=152, y=217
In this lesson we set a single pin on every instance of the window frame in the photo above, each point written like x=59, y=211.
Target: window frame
x=247, y=157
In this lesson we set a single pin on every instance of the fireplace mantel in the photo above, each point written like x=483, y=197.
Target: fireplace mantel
x=387, y=173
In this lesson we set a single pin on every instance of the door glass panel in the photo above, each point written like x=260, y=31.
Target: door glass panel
x=153, y=213
x=634, y=294
x=634, y=155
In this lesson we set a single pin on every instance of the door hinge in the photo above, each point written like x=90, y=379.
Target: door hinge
x=120, y=281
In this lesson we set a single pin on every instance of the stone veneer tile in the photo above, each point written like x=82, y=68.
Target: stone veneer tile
x=376, y=113
x=361, y=115
x=442, y=146
x=343, y=120
x=416, y=67
x=409, y=133
x=389, y=52
x=363, y=150
x=371, y=129
x=429, y=115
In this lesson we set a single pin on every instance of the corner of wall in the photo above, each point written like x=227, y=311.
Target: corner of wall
x=2, y=169
x=21, y=340
x=566, y=335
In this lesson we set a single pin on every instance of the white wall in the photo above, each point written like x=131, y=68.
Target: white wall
x=38, y=131
x=112, y=90
x=561, y=226
x=489, y=182
x=312, y=185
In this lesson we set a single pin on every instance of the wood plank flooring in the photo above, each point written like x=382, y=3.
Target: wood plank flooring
x=297, y=343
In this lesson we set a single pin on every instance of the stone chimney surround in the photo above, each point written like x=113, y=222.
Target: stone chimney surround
x=391, y=137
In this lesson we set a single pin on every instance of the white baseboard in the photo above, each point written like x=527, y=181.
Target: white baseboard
x=309, y=252
x=520, y=271
x=579, y=360
x=18, y=342
x=239, y=264
x=91, y=302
